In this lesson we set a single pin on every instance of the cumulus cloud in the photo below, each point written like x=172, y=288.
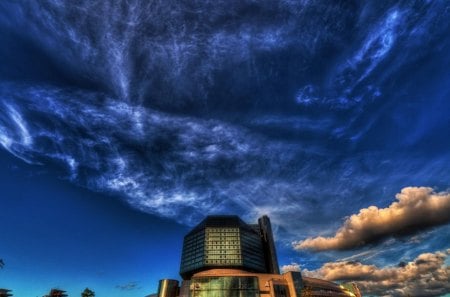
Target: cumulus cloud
x=290, y=267
x=417, y=208
x=426, y=275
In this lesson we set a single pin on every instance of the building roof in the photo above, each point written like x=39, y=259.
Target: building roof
x=220, y=221
x=320, y=283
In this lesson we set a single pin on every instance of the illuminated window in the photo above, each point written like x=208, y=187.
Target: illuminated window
x=225, y=286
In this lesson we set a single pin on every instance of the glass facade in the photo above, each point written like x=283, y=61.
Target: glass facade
x=193, y=252
x=223, y=241
x=225, y=286
x=270, y=253
x=252, y=251
x=281, y=291
x=222, y=247
x=298, y=282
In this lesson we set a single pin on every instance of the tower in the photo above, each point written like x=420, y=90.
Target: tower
x=270, y=253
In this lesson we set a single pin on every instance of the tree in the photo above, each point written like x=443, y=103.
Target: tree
x=56, y=293
x=88, y=293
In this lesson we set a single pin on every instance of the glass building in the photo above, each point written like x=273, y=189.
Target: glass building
x=225, y=286
x=225, y=257
x=226, y=241
x=239, y=283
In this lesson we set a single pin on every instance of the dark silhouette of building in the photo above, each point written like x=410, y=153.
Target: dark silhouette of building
x=5, y=293
x=270, y=253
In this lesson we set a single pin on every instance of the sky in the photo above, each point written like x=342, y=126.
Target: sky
x=123, y=123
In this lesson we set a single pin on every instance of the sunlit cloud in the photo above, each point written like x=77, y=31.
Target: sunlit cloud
x=290, y=267
x=417, y=208
x=427, y=275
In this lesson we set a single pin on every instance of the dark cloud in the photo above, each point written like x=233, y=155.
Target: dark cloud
x=194, y=44
x=417, y=208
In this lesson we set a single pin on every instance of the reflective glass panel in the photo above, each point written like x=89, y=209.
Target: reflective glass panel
x=225, y=286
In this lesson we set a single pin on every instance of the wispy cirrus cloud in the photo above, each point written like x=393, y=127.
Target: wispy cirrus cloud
x=179, y=107
x=161, y=163
x=417, y=208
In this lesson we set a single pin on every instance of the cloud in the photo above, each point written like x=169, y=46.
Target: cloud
x=417, y=208
x=158, y=162
x=426, y=275
x=189, y=48
x=290, y=267
x=184, y=115
x=128, y=286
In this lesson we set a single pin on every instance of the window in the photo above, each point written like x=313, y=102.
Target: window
x=224, y=286
x=280, y=291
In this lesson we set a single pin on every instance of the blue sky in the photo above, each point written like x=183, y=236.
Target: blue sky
x=124, y=123
x=55, y=234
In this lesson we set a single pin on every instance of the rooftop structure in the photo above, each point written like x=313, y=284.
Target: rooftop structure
x=322, y=288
